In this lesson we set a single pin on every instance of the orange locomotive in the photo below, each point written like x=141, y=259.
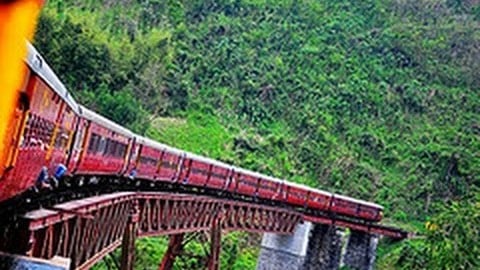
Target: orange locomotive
x=55, y=137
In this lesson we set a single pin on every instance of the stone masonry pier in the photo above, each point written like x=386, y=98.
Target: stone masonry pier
x=318, y=247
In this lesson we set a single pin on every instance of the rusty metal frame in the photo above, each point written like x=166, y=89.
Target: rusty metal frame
x=86, y=230
x=175, y=246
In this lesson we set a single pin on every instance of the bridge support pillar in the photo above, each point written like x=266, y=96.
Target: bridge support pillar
x=284, y=252
x=324, y=248
x=175, y=247
x=129, y=237
x=311, y=247
x=215, y=244
x=360, y=251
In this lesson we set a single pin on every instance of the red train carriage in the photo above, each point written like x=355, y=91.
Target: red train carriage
x=269, y=187
x=355, y=208
x=43, y=129
x=146, y=159
x=296, y=194
x=218, y=176
x=247, y=183
x=318, y=199
x=197, y=170
x=371, y=211
x=169, y=164
x=106, y=146
x=155, y=161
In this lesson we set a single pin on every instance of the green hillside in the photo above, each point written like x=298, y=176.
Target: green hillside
x=379, y=100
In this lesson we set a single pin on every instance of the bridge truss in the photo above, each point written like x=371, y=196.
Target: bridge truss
x=88, y=229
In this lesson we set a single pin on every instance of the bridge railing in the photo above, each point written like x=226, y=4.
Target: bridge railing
x=86, y=230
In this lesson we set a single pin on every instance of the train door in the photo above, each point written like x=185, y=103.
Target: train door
x=127, y=155
x=133, y=159
x=78, y=145
x=185, y=169
x=62, y=138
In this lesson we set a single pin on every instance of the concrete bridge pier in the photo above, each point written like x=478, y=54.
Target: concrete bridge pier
x=311, y=247
x=324, y=248
x=360, y=251
x=317, y=247
x=285, y=252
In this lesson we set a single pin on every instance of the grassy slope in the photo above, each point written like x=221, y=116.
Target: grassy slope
x=376, y=100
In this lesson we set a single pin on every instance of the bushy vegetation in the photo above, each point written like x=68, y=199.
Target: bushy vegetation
x=375, y=99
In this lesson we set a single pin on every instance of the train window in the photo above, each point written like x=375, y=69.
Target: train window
x=148, y=160
x=91, y=143
x=106, y=149
x=295, y=193
x=37, y=133
x=94, y=144
x=112, y=148
x=102, y=145
x=122, y=150
x=117, y=149
x=198, y=171
x=61, y=139
x=111, y=145
x=152, y=161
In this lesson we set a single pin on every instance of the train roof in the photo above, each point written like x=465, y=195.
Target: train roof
x=157, y=145
x=307, y=188
x=36, y=62
x=235, y=168
x=229, y=166
x=209, y=160
x=260, y=175
x=362, y=202
x=103, y=121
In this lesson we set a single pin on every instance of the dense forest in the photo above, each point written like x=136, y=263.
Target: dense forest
x=379, y=100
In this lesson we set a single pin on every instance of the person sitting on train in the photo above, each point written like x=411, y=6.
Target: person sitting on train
x=34, y=141
x=60, y=171
x=133, y=173
x=42, y=181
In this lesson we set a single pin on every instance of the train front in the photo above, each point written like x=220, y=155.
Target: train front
x=17, y=24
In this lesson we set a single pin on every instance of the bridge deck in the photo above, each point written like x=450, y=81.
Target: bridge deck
x=86, y=230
